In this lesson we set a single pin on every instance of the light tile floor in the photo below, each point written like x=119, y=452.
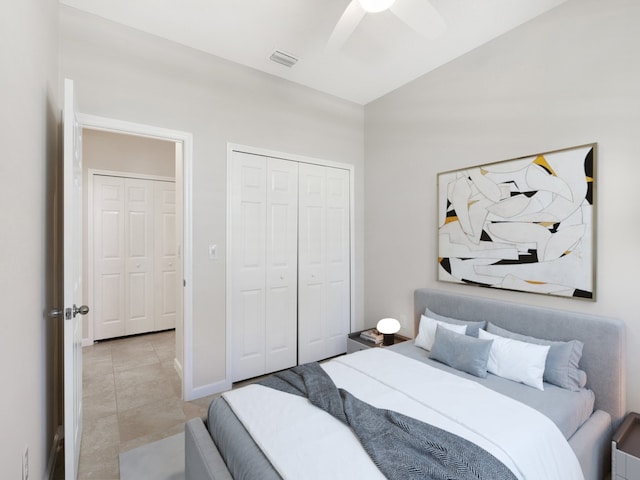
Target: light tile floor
x=131, y=396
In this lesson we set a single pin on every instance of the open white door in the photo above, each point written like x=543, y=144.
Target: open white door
x=72, y=231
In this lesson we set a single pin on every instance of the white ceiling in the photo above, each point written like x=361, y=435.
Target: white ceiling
x=382, y=54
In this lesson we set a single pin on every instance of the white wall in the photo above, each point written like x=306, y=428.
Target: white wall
x=28, y=179
x=125, y=74
x=567, y=78
x=127, y=153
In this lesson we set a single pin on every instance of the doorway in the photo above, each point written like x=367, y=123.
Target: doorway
x=182, y=145
x=130, y=236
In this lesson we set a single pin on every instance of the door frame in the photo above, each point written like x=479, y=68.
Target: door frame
x=235, y=147
x=91, y=173
x=95, y=122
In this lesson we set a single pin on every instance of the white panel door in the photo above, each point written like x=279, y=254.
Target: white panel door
x=289, y=265
x=72, y=283
x=337, y=261
x=247, y=197
x=165, y=280
x=138, y=265
x=311, y=264
x=324, y=312
x=108, y=254
x=281, y=264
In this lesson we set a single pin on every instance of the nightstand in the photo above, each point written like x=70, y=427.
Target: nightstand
x=355, y=343
x=625, y=449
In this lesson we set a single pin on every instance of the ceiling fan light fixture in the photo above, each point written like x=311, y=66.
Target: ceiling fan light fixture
x=374, y=6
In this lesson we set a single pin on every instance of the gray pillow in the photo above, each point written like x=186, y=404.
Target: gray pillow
x=461, y=352
x=561, y=367
x=472, y=327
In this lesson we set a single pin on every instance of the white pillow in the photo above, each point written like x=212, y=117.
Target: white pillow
x=427, y=331
x=518, y=361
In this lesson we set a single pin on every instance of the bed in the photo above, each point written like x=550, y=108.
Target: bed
x=586, y=425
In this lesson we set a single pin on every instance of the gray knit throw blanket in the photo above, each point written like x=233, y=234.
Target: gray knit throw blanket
x=400, y=446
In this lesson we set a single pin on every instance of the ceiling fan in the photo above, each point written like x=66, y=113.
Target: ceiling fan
x=420, y=15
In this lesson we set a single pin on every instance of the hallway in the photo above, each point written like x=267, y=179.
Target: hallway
x=132, y=396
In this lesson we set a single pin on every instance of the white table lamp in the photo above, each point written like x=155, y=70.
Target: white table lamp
x=388, y=327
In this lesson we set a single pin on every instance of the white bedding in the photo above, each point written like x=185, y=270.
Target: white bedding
x=302, y=441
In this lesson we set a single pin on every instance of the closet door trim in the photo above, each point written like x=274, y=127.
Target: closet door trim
x=233, y=147
x=91, y=173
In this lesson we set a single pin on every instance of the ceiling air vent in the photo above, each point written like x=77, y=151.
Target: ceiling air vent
x=283, y=58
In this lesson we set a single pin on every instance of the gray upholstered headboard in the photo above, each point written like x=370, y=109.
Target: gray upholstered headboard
x=604, y=354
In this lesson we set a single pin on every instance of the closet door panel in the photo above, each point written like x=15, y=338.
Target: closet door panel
x=138, y=265
x=324, y=262
x=165, y=279
x=281, y=265
x=311, y=264
x=280, y=335
x=338, y=262
x=108, y=251
x=248, y=264
x=311, y=328
x=249, y=347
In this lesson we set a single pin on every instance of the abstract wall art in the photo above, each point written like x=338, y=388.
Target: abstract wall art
x=526, y=224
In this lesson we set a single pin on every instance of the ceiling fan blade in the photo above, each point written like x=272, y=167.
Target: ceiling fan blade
x=348, y=22
x=421, y=16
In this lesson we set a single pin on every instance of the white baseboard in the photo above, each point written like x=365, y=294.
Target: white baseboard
x=53, y=454
x=178, y=366
x=210, y=389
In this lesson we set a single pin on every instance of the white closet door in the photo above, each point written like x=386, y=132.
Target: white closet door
x=165, y=280
x=264, y=198
x=108, y=245
x=338, y=261
x=311, y=263
x=138, y=265
x=324, y=263
x=281, y=265
x=247, y=198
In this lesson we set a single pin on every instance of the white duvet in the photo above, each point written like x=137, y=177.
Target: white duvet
x=302, y=441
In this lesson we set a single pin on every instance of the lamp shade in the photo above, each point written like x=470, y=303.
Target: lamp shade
x=388, y=326
x=374, y=6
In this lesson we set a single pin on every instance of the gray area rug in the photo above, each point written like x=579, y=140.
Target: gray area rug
x=161, y=460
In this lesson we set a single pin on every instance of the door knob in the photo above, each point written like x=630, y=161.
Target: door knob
x=70, y=313
x=82, y=310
